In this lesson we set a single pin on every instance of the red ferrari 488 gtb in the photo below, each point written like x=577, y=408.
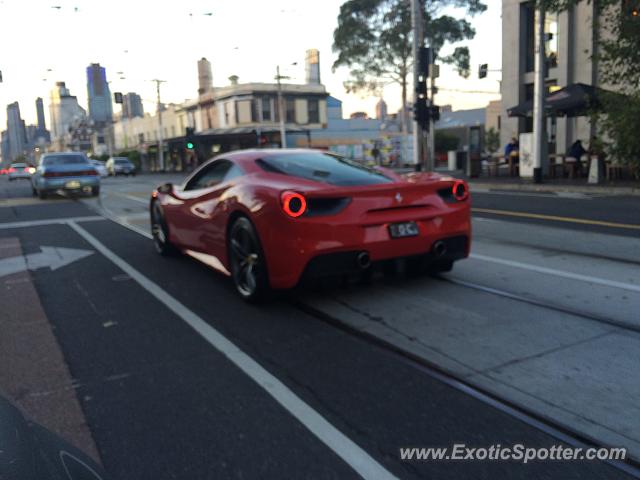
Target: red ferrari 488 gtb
x=269, y=218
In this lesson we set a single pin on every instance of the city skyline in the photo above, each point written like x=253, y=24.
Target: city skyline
x=131, y=64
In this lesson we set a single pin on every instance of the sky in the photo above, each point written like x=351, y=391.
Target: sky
x=44, y=41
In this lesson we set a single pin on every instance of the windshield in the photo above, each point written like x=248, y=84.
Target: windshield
x=322, y=167
x=122, y=161
x=63, y=160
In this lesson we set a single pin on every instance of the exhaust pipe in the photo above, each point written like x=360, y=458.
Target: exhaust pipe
x=439, y=249
x=363, y=260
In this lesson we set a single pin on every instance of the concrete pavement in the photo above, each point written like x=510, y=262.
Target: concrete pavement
x=161, y=403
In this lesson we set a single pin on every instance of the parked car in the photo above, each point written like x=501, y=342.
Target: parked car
x=269, y=218
x=120, y=166
x=20, y=170
x=100, y=168
x=68, y=171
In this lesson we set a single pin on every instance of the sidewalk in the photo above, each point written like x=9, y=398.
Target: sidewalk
x=580, y=185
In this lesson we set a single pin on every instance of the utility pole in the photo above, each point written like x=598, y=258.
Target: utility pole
x=539, y=137
x=281, y=111
x=416, y=26
x=160, y=129
x=430, y=163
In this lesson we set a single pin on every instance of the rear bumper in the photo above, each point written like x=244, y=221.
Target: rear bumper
x=316, y=248
x=67, y=183
x=347, y=263
x=14, y=176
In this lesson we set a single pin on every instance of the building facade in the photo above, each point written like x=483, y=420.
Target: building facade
x=132, y=105
x=99, y=95
x=63, y=110
x=16, y=132
x=205, y=77
x=572, y=41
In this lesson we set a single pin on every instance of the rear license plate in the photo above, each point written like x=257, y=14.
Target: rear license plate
x=402, y=230
x=72, y=184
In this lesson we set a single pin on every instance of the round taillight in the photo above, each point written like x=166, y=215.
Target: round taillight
x=293, y=204
x=460, y=190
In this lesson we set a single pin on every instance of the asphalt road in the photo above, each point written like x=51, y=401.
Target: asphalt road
x=165, y=395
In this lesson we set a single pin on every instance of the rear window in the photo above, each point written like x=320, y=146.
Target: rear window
x=19, y=165
x=322, y=167
x=63, y=160
x=122, y=161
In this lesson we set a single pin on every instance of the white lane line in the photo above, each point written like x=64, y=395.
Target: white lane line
x=365, y=465
x=52, y=221
x=136, y=199
x=559, y=273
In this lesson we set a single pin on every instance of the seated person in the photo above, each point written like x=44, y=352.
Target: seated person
x=577, y=151
x=512, y=150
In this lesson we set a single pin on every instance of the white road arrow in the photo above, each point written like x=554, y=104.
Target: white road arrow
x=52, y=257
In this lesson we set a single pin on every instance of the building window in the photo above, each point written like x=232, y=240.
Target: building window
x=173, y=131
x=314, y=110
x=551, y=30
x=528, y=27
x=291, y=110
x=226, y=113
x=499, y=122
x=266, y=109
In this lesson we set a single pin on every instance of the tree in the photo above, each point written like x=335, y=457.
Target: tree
x=618, y=63
x=374, y=40
x=492, y=140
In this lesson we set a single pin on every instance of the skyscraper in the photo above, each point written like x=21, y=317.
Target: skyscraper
x=381, y=110
x=132, y=105
x=42, y=134
x=4, y=147
x=205, y=77
x=40, y=113
x=100, y=106
x=63, y=110
x=15, y=131
x=312, y=66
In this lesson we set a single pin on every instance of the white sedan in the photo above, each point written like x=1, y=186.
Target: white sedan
x=100, y=168
x=20, y=170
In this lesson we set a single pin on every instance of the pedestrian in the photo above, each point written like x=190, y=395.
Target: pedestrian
x=512, y=149
x=576, y=151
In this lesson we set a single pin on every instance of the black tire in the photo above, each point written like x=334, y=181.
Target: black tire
x=160, y=232
x=95, y=191
x=10, y=179
x=247, y=261
x=42, y=194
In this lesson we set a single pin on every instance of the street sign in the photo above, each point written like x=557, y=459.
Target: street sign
x=49, y=257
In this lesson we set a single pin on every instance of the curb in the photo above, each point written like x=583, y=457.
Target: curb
x=595, y=189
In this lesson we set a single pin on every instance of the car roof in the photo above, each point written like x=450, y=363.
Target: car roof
x=247, y=158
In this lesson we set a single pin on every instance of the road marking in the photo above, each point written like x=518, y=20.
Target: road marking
x=559, y=273
x=136, y=199
x=52, y=221
x=51, y=257
x=557, y=219
x=365, y=465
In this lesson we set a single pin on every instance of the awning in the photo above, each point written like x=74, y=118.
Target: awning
x=574, y=100
x=525, y=109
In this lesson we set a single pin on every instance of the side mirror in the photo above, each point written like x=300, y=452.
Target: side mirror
x=166, y=188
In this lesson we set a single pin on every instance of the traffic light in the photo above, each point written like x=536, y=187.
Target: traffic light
x=189, y=142
x=424, y=57
x=483, y=71
x=632, y=8
x=421, y=113
x=434, y=112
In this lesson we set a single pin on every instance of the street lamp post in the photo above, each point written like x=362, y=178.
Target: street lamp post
x=283, y=129
x=160, y=128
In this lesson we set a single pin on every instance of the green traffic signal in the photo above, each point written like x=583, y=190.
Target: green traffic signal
x=189, y=145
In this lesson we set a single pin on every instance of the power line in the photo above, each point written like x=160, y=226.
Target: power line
x=485, y=92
